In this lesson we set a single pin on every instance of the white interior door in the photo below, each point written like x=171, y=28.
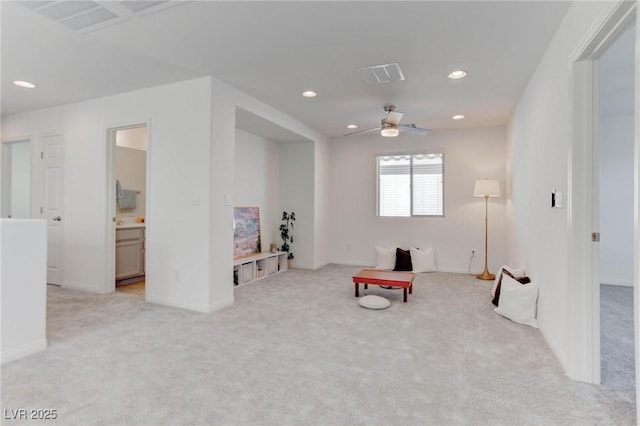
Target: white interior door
x=53, y=148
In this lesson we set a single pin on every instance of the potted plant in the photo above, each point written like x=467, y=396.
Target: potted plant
x=286, y=232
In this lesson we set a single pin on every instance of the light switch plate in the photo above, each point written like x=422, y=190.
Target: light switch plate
x=556, y=199
x=559, y=199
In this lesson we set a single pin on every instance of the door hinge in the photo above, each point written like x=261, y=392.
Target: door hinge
x=595, y=236
x=41, y=210
x=41, y=155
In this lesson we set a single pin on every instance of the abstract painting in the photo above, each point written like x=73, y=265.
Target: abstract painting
x=246, y=231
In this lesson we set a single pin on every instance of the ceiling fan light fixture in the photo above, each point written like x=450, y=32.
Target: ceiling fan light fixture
x=352, y=126
x=457, y=117
x=390, y=132
x=309, y=94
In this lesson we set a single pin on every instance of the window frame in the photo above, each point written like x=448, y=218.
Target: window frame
x=411, y=155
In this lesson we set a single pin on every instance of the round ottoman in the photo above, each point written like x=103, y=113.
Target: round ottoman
x=374, y=302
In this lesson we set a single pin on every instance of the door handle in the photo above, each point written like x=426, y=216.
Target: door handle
x=57, y=218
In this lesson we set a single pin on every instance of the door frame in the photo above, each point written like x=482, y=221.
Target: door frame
x=583, y=310
x=110, y=145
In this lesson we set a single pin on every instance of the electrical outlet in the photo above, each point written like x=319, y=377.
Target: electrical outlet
x=178, y=276
x=347, y=247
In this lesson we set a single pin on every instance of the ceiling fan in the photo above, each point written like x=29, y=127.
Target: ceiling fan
x=390, y=125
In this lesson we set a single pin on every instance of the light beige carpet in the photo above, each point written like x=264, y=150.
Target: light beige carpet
x=297, y=349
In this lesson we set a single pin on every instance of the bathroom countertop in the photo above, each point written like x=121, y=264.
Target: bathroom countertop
x=130, y=225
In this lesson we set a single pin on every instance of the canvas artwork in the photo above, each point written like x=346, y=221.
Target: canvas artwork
x=246, y=231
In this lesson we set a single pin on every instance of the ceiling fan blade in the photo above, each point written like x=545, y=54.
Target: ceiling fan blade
x=363, y=131
x=411, y=128
x=394, y=117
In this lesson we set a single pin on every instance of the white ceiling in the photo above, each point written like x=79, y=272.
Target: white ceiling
x=275, y=50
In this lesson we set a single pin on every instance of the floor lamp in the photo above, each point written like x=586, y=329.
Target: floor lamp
x=486, y=188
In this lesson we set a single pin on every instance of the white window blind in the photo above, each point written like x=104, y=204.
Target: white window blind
x=411, y=185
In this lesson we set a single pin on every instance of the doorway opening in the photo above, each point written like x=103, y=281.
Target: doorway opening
x=614, y=218
x=16, y=179
x=129, y=147
x=584, y=309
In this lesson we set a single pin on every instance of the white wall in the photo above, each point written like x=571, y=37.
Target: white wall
x=277, y=177
x=177, y=232
x=539, y=142
x=322, y=201
x=224, y=102
x=616, y=200
x=470, y=154
x=131, y=170
x=257, y=182
x=191, y=158
x=24, y=287
x=297, y=177
x=134, y=138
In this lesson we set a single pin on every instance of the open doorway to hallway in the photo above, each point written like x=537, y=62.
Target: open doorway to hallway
x=16, y=179
x=615, y=194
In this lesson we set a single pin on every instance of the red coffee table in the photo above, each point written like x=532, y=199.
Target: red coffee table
x=403, y=280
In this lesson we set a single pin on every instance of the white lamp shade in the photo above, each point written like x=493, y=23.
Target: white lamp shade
x=486, y=187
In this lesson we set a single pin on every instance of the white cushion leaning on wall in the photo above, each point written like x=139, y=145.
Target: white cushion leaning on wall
x=385, y=258
x=516, y=272
x=518, y=301
x=423, y=260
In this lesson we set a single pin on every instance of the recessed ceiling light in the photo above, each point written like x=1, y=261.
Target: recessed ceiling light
x=457, y=74
x=309, y=94
x=457, y=117
x=352, y=126
x=26, y=84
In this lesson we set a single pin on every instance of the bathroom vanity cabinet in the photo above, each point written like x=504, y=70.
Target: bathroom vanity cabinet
x=129, y=252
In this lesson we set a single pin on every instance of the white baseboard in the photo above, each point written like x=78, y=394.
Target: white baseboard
x=548, y=337
x=455, y=271
x=82, y=287
x=221, y=304
x=366, y=264
x=622, y=283
x=198, y=307
x=362, y=263
x=24, y=350
x=320, y=266
x=301, y=266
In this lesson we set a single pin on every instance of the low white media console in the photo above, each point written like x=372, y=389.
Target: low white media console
x=258, y=266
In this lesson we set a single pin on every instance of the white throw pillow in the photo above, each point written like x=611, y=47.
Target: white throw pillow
x=422, y=260
x=385, y=258
x=518, y=273
x=518, y=301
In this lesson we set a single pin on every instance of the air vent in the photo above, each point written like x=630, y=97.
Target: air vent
x=85, y=16
x=382, y=73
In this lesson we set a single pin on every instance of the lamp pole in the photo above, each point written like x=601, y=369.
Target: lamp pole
x=485, y=275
